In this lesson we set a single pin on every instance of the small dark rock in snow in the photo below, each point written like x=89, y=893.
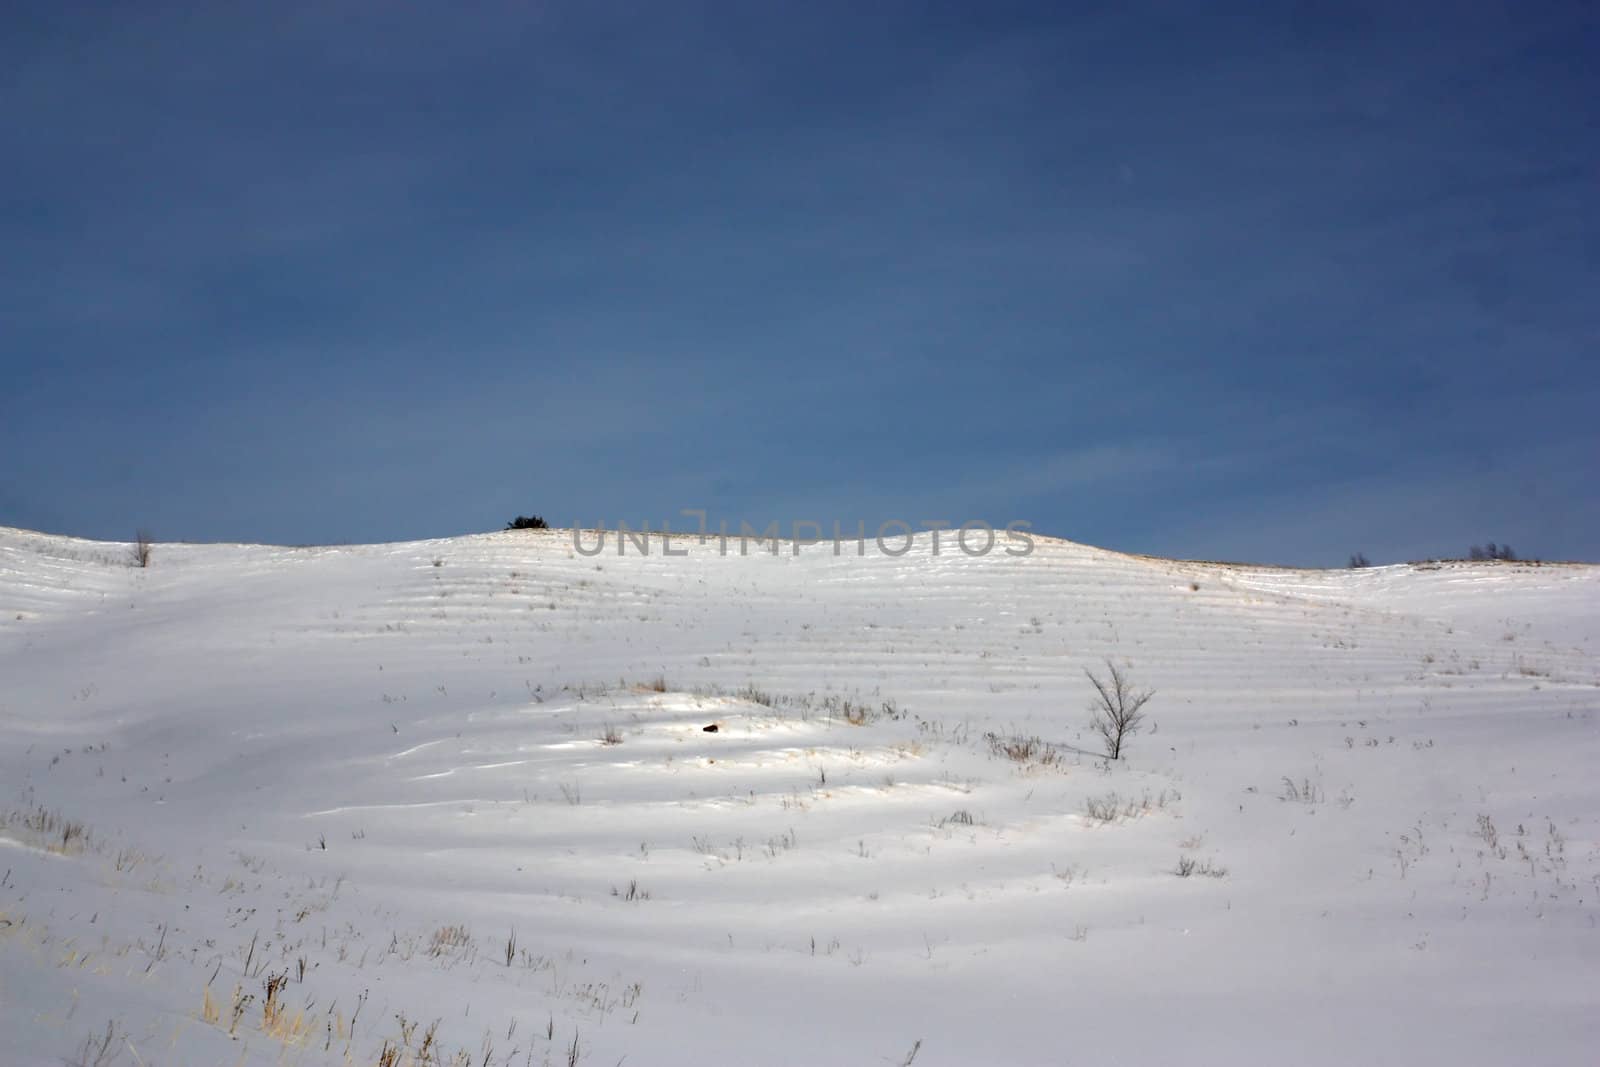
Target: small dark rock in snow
x=709, y=729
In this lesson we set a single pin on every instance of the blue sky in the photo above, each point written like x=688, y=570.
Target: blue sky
x=1199, y=280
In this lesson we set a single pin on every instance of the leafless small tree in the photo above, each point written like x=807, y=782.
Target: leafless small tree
x=141, y=548
x=1117, y=711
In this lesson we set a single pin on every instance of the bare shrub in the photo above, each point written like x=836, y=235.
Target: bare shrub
x=1118, y=709
x=141, y=548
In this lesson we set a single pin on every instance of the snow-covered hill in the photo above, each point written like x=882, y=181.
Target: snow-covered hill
x=456, y=801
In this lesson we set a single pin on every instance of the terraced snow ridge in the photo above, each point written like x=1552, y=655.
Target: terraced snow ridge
x=488, y=801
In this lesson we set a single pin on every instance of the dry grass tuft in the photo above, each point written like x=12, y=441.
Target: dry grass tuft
x=1304, y=791
x=48, y=829
x=1113, y=807
x=1029, y=751
x=1188, y=866
x=448, y=939
x=99, y=1050
x=632, y=892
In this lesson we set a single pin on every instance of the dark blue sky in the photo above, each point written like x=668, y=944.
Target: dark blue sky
x=1190, y=279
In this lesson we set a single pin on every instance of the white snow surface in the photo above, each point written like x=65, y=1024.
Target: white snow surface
x=369, y=768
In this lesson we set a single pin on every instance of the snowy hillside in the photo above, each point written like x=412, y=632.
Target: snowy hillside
x=456, y=801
